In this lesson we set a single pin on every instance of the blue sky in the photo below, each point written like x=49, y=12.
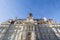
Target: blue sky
x=21, y=8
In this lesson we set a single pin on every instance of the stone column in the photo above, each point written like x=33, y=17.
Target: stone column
x=20, y=36
x=25, y=28
x=33, y=28
x=33, y=36
x=24, y=35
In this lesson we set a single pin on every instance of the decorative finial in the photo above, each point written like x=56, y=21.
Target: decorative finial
x=45, y=19
x=15, y=18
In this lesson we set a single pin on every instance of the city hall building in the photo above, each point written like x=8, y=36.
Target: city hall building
x=30, y=29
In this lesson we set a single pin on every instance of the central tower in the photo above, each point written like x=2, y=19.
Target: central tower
x=30, y=18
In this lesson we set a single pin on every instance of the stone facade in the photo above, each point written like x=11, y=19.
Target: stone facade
x=30, y=29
